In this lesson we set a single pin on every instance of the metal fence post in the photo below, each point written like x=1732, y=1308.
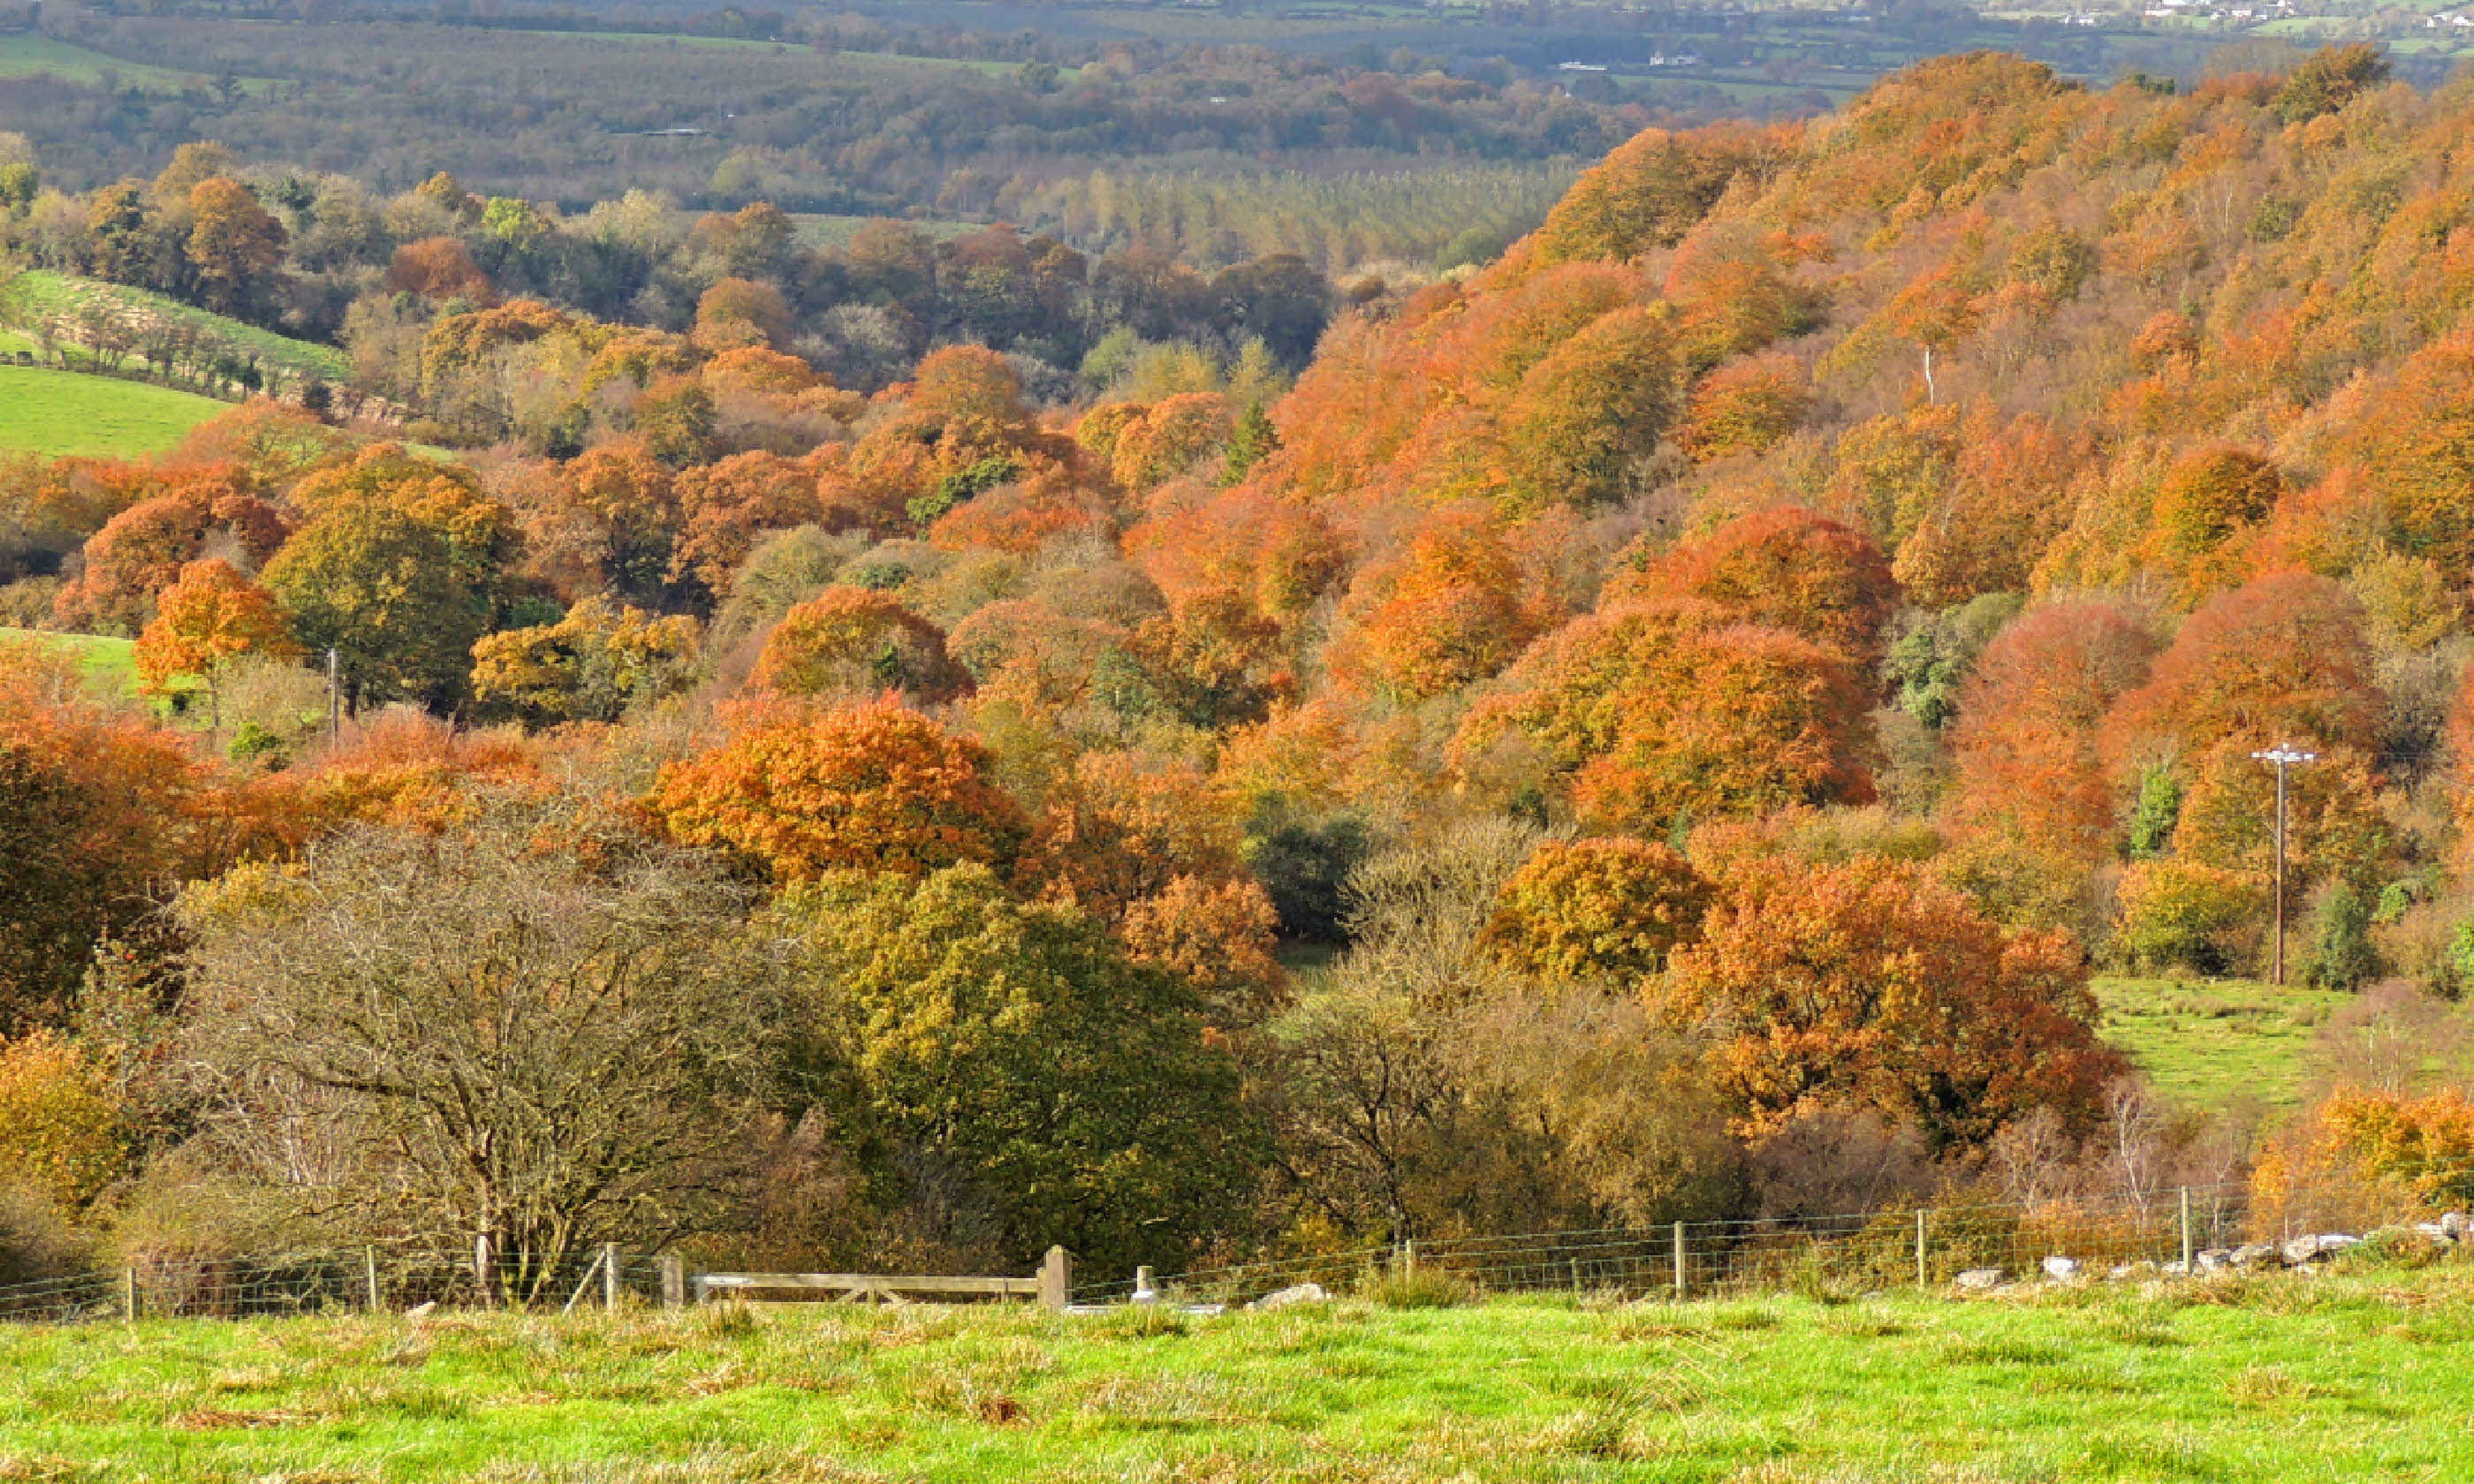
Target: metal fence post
x=370, y=1272
x=1921, y=1280
x=610, y=1276
x=674, y=1281
x=1679, y=1262
x=2188, y=1255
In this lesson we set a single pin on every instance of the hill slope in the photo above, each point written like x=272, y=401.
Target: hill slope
x=55, y=413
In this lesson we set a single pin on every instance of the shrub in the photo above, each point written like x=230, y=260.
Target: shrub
x=2178, y=913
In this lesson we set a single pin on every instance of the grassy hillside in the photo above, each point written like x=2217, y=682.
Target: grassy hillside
x=2208, y=1044
x=2357, y=1375
x=44, y=293
x=109, y=664
x=55, y=412
x=25, y=55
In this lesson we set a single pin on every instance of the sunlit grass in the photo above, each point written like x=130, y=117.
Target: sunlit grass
x=2208, y=1044
x=2353, y=1376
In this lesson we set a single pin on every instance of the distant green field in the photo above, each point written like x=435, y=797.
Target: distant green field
x=2207, y=1043
x=47, y=293
x=743, y=44
x=24, y=56
x=56, y=412
x=110, y=665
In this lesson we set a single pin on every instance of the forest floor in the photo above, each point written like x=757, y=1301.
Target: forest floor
x=2361, y=1374
x=58, y=413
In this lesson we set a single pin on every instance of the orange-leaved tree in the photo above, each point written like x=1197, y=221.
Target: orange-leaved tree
x=93, y=821
x=1448, y=612
x=2026, y=743
x=1785, y=567
x=875, y=787
x=1872, y=985
x=210, y=617
x=1673, y=708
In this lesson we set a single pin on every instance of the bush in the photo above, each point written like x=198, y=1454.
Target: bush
x=35, y=1241
x=2340, y=955
x=2176, y=914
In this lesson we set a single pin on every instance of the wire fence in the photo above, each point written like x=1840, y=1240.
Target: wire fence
x=2160, y=1231
x=368, y=1279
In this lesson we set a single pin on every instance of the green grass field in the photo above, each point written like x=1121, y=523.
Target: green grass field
x=46, y=292
x=25, y=55
x=2355, y=1375
x=55, y=413
x=110, y=665
x=2207, y=1043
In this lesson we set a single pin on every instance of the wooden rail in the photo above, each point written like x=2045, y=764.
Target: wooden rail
x=1050, y=1285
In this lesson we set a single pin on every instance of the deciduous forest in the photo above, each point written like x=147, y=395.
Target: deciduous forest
x=886, y=756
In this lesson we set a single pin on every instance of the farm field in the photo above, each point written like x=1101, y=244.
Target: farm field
x=109, y=664
x=24, y=55
x=57, y=413
x=44, y=293
x=2206, y=1044
x=2357, y=1375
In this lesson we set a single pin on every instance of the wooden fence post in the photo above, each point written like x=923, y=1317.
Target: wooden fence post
x=481, y=1269
x=1680, y=1283
x=1056, y=1279
x=129, y=1294
x=2188, y=1255
x=370, y=1273
x=610, y=1276
x=674, y=1281
x=1921, y=1280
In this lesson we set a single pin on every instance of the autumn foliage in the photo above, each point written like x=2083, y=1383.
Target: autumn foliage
x=874, y=787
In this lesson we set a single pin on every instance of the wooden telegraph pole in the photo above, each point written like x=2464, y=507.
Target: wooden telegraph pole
x=2284, y=756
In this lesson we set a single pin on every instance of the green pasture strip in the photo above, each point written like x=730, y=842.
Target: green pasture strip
x=2359, y=1375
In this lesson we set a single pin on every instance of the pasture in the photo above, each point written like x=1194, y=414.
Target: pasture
x=2360, y=1373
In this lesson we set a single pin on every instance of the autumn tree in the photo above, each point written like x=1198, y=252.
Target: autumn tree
x=736, y=313
x=1669, y=710
x=1744, y=408
x=856, y=639
x=92, y=824
x=1605, y=908
x=63, y=1126
x=234, y=244
x=2281, y=660
x=1592, y=408
x=1650, y=191
x=1071, y=1093
x=210, y=617
x=546, y=1048
x=1871, y=984
x=2028, y=739
x=874, y=787
x=1785, y=567
x=594, y=664
x=440, y=269
x=1449, y=611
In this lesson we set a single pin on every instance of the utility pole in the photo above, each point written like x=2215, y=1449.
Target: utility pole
x=2284, y=757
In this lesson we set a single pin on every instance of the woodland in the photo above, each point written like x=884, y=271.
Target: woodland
x=1662, y=722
